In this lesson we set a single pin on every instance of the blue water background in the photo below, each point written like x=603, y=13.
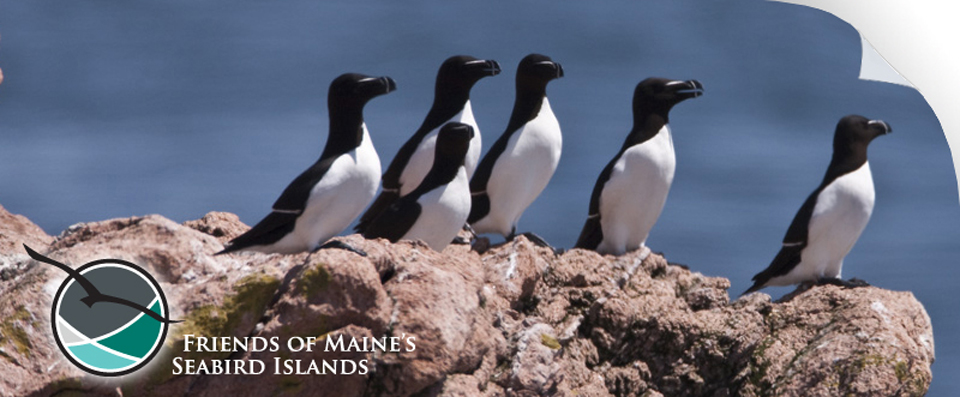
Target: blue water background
x=116, y=109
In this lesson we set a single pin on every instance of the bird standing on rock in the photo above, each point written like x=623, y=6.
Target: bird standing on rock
x=436, y=210
x=632, y=189
x=323, y=201
x=832, y=218
x=521, y=162
x=451, y=103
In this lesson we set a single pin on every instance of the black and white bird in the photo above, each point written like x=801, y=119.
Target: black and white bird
x=323, y=201
x=451, y=103
x=833, y=216
x=632, y=189
x=522, y=161
x=436, y=210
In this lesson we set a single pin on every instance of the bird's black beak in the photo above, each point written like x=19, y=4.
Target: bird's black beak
x=553, y=67
x=376, y=86
x=455, y=129
x=464, y=129
x=686, y=89
x=483, y=67
x=880, y=126
x=389, y=84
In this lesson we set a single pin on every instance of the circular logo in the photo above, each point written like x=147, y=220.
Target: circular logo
x=119, y=327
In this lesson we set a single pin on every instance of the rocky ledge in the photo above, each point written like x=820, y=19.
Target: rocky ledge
x=516, y=320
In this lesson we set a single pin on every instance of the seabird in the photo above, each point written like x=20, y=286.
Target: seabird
x=632, y=189
x=451, y=103
x=521, y=162
x=436, y=210
x=833, y=216
x=323, y=201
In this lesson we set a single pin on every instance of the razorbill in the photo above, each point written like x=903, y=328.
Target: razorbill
x=328, y=196
x=632, y=189
x=833, y=216
x=436, y=210
x=521, y=162
x=451, y=103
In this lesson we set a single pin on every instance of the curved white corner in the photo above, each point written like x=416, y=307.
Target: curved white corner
x=918, y=39
x=874, y=67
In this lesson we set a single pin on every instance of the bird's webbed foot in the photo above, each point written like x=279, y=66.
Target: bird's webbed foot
x=340, y=245
x=852, y=283
x=464, y=240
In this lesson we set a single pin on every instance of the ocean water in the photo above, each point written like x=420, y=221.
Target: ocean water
x=180, y=108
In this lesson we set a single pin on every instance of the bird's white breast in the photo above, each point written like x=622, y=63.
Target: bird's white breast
x=443, y=213
x=339, y=197
x=841, y=214
x=634, y=196
x=422, y=158
x=522, y=171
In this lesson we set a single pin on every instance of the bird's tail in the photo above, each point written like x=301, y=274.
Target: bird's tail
x=756, y=287
x=592, y=233
x=269, y=230
x=383, y=201
x=228, y=249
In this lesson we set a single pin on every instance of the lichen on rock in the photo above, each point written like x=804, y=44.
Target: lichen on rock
x=238, y=311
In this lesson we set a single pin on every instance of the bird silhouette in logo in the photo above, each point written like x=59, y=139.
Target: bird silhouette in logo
x=94, y=295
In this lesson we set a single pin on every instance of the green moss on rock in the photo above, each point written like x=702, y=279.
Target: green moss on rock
x=549, y=341
x=66, y=387
x=912, y=384
x=313, y=279
x=12, y=331
x=289, y=385
x=252, y=294
x=759, y=366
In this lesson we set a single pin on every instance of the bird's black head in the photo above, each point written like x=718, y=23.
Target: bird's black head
x=658, y=95
x=853, y=135
x=345, y=101
x=461, y=72
x=854, y=130
x=537, y=70
x=453, y=140
x=354, y=89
